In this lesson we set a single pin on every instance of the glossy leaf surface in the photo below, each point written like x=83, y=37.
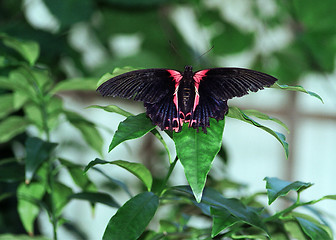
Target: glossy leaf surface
x=196, y=151
x=132, y=218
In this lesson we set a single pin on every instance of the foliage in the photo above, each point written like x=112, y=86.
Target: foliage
x=39, y=63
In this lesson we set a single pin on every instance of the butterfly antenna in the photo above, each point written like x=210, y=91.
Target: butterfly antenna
x=206, y=52
x=174, y=48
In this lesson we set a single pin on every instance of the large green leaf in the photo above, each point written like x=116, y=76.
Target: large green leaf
x=28, y=204
x=87, y=129
x=131, y=128
x=132, y=218
x=29, y=50
x=314, y=231
x=95, y=197
x=196, y=151
x=138, y=169
x=12, y=126
x=235, y=112
x=38, y=151
x=222, y=219
x=277, y=187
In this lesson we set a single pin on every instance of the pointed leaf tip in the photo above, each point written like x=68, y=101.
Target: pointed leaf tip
x=277, y=187
x=196, y=151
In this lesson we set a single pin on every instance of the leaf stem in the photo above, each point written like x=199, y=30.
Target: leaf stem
x=285, y=211
x=171, y=168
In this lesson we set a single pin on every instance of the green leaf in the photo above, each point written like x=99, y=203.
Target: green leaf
x=131, y=128
x=11, y=170
x=28, y=204
x=78, y=175
x=70, y=11
x=61, y=197
x=12, y=126
x=96, y=197
x=136, y=3
x=263, y=116
x=138, y=169
x=20, y=237
x=19, y=99
x=114, y=182
x=104, y=78
x=38, y=151
x=294, y=230
x=222, y=219
x=235, y=112
x=331, y=197
x=276, y=187
x=132, y=218
x=6, y=105
x=114, y=109
x=231, y=40
x=297, y=89
x=75, y=84
x=196, y=151
x=20, y=83
x=213, y=199
x=29, y=50
x=312, y=230
x=87, y=129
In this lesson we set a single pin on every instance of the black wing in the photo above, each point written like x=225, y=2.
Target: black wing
x=226, y=83
x=147, y=85
x=217, y=85
x=155, y=87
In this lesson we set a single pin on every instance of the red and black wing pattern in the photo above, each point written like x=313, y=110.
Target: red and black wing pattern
x=217, y=85
x=155, y=87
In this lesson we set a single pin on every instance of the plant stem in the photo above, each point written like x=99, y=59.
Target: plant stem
x=42, y=97
x=285, y=211
x=171, y=168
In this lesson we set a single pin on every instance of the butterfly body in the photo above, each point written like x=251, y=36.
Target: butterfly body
x=173, y=98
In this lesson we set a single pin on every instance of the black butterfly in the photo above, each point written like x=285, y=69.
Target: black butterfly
x=173, y=98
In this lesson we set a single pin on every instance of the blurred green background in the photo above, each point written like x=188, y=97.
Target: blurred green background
x=294, y=40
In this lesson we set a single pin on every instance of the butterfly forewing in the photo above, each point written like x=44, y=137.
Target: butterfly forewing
x=147, y=85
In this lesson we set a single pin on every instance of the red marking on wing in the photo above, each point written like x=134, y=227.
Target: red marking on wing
x=199, y=75
x=176, y=78
x=197, y=78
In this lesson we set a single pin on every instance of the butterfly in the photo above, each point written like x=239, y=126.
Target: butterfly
x=172, y=98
